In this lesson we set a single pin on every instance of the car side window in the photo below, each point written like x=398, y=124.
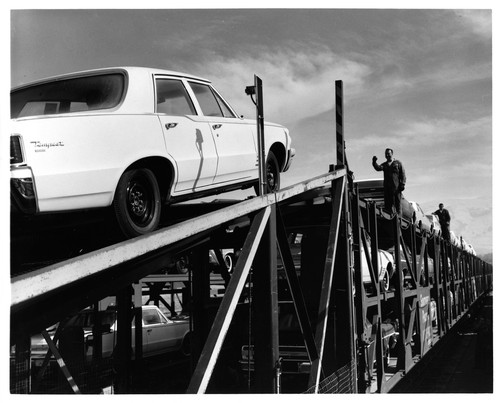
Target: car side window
x=152, y=317
x=172, y=98
x=210, y=102
x=225, y=109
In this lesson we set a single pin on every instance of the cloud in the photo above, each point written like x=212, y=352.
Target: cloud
x=468, y=170
x=478, y=21
x=442, y=130
x=298, y=82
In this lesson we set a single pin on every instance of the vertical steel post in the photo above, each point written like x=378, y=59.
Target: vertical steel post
x=447, y=301
x=200, y=284
x=326, y=288
x=137, y=287
x=360, y=299
x=437, y=285
x=260, y=136
x=22, y=377
x=339, y=119
x=97, y=334
x=265, y=303
x=346, y=220
x=124, y=341
x=372, y=214
x=399, y=295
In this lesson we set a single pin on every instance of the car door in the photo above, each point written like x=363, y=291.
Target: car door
x=234, y=138
x=160, y=333
x=188, y=137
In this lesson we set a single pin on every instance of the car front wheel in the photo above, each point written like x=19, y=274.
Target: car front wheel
x=137, y=202
x=272, y=174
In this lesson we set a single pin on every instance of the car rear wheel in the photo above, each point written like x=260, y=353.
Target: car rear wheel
x=137, y=202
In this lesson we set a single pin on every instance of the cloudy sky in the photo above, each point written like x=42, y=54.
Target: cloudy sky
x=416, y=80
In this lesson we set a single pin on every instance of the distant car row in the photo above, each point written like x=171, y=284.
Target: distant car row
x=373, y=190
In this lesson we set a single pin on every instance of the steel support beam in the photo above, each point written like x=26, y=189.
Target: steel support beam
x=260, y=135
x=265, y=312
x=339, y=119
x=297, y=296
x=124, y=342
x=324, y=303
x=60, y=362
x=211, y=350
x=399, y=292
x=360, y=298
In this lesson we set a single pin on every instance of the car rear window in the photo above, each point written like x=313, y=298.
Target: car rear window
x=88, y=93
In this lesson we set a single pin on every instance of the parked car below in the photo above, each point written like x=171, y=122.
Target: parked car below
x=160, y=334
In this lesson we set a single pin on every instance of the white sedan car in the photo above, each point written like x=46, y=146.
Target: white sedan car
x=386, y=268
x=160, y=334
x=132, y=138
x=420, y=218
x=435, y=225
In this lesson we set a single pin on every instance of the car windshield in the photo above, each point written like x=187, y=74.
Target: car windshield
x=71, y=95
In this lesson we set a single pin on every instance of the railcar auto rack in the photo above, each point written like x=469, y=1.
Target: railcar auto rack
x=285, y=320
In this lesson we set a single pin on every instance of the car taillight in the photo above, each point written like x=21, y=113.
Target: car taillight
x=24, y=186
x=16, y=153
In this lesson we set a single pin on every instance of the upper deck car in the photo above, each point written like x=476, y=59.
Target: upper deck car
x=133, y=138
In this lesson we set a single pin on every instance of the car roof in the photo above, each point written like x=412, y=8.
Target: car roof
x=371, y=189
x=364, y=183
x=128, y=69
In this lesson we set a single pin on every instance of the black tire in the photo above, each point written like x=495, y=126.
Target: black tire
x=384, y=283
x=182, y=265
x=273, y=174
x=186, y=345
x=137, y=202
x=229, y=262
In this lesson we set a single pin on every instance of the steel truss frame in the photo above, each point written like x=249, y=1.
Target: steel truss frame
x=431, y=275
x=340, y=338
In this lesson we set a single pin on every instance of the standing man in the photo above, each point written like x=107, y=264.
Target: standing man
x=394, y=181
x=444, y=221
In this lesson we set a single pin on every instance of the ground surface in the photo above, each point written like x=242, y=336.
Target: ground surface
x=464, y=364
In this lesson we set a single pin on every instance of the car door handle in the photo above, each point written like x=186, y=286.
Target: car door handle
x=149, y=330
x=170, y=125
x=216, y=126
